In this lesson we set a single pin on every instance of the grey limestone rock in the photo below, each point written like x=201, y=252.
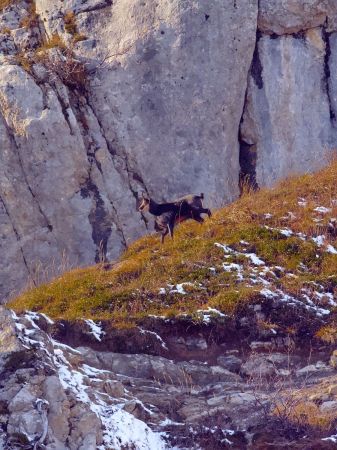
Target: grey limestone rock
x=293, y=16
x=290, y=133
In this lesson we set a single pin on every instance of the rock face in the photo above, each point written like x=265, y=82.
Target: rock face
x=293, y=16
x=130, y=96
x=289, y=131
x=58, y=397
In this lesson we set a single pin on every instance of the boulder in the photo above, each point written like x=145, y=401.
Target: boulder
x=230, y=362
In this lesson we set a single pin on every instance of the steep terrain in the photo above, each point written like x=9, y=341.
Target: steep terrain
x=101, y=99
x=224, y=338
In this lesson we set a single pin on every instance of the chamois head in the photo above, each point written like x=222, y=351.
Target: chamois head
x=144, y=203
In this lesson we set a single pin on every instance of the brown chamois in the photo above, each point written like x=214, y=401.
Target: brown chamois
x=170, y=214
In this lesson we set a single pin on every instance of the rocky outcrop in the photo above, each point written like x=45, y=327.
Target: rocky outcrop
x=58, y=396
x=101, y=100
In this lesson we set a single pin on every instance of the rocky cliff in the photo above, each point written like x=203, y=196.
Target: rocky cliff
x=138, y=389
x=103, y=99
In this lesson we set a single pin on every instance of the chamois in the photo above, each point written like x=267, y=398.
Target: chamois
x=170, y=214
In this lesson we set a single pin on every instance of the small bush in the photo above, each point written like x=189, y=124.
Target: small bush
x=60, y=61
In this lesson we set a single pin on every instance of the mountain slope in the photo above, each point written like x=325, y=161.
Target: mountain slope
x=273, y=245
x=224, y=338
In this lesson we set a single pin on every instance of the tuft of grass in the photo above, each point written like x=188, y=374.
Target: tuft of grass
x=32, y=19
x=23, y=60
x=70, y=22
x=71, y=27
x=328, y=333
x=130, y=289
x=55, y=41
x=5, y=30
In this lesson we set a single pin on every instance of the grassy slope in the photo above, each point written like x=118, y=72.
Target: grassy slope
x=129, y=290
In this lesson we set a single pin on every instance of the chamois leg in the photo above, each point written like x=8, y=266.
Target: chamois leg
x=204, y=211
x=170, y=228
x=163, y=234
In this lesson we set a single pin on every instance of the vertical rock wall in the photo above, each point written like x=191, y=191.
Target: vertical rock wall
x=289, y=120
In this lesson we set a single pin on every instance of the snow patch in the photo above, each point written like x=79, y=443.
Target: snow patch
x=322, y=209
x=155, y=335
x=95, y=329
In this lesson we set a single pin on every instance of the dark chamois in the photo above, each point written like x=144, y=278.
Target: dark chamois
x=170, y=214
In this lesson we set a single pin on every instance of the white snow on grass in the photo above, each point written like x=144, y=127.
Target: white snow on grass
x=331, y=249
x=209, y=314
x=254, y=259
x=230, y=267
x=322, y=209
x=302, y=301
x=268, y=293
x=95, y=329
x=152, y=333
x=225, y=248
x=320, y=242
x=286, y=232
x=252, y=256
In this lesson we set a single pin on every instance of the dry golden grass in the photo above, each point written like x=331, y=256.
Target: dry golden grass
x=70, y=22
x=55, y=41
x=32, y=18
x=5, y=3
x=328, y=333
x=304, y=414
x=71, y=27
x=130, y=289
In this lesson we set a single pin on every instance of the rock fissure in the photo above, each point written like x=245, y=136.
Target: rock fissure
x=100, y=238
x=65, y=113
x=47, y=223
x=256, y=68
x=18, y=238
x=131, y=174
x=327, y=72
x=248, y=150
